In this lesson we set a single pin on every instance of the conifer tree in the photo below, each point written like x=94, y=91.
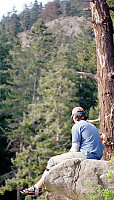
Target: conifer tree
x=35, y=11
x=43, y=91
x=14, y=24
x=73, y=8
x=25, y=18
x=6, y=43
x=48, y=122
x=82, y=60
x=26, y=64
x=46, y=127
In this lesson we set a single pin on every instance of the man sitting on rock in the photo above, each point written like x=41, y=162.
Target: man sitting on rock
x=86, y=144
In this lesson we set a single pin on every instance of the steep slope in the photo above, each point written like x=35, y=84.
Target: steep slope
x=69, y=25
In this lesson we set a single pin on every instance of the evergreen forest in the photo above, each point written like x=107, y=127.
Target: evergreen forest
x=40, y=83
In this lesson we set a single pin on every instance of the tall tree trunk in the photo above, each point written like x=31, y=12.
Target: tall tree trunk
x=34, y=94
x=21, y=149
x=103, y=29
x=18, y=194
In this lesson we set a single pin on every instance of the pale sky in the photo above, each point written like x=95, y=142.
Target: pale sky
x=7, y=5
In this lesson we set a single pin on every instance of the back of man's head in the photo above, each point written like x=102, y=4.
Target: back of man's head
x=79, y=113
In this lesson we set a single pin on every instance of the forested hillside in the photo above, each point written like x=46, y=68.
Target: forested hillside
x=40, y=78
x=16, y=23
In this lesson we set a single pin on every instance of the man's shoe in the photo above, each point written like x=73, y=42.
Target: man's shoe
x=32, y=191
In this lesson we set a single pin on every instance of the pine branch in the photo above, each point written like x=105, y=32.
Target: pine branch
x=7, y=175
x=10, y=143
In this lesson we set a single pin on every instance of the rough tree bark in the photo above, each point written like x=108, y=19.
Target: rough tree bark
x=103, y=30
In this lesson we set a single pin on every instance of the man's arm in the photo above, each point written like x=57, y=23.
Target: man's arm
x=75, y=147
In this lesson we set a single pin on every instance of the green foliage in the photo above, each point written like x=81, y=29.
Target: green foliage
x=41, y=97
x=52, y=10
x=110, y=171
x=16, y=23
x=73, y=8
x=39, y=28
x=4, y=155
x=111, y=5
x=99, y=192
x=43, y=87
x=35, y=131
x=93, y=115
x=35, y=11
x=6, y=43
x=82, y=58
x=25, y=70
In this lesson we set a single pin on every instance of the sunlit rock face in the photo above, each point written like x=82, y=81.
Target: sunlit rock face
x=66, y=181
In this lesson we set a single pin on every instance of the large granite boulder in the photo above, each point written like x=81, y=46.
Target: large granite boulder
x=66, y=181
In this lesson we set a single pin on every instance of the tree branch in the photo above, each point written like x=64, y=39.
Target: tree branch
x=89, y=75
x=10, y=143
x=7, y=175
x=111, y=8
x=7, y=71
